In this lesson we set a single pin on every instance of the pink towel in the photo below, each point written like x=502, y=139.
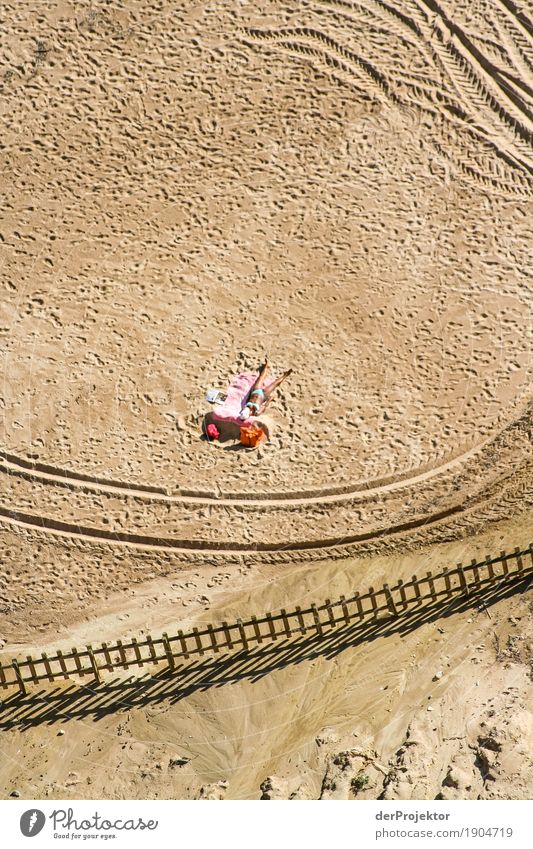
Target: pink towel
x=238, y=392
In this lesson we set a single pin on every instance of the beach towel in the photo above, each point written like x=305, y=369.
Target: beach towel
x=238, y=392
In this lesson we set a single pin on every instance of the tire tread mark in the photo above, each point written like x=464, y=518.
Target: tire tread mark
x=307, y=36
x=514, y=152
x=488, y=71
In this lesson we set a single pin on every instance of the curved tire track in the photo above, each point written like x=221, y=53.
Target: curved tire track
x=475, y=481
x=13, y=465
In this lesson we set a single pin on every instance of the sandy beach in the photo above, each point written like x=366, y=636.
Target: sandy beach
x=348, y=188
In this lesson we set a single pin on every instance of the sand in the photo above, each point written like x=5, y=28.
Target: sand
x=346, y=186
x=306, y=725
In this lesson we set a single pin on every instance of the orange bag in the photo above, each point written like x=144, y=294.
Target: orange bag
x=251, y=436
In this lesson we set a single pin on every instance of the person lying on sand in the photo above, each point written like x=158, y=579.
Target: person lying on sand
x=259, y=398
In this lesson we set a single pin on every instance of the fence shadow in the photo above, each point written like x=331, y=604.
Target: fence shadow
x=73, y=701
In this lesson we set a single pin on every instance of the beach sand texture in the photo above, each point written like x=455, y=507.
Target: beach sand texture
x=347, y=186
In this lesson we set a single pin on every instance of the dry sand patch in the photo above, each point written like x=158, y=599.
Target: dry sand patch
x=185, y=199
x=439, y=709
x=347, y=186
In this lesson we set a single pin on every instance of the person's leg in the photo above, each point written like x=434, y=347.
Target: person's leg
x=256, y=395
x=273, y=386
x=263, y=372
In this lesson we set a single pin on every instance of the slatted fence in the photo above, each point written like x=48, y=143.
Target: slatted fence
x=385, y=602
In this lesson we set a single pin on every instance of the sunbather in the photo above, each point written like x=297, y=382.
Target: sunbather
x=259, y=398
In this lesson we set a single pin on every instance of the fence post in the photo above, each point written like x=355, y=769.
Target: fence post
x=505, y=563
x=447, y=582
x=403, y=595
x=345, y=611
x=93, y=664
x=431, y=585
x=62, y=663
x=286, y=624
x=490, y=566
x=3, y=678
x=360, y=611
x=475, y=569
x=122, y=654
x=462, y=579
x=257, y=629
x=518, y=559
x=19, y=677
x=390, y=600
x=318, y=624
x=416, y=587
x=198, y=641
x=107, y=654
x=331, y=615
x=373, y=602
x=168, y=651
x=136, y=649
x=271, y=626
x=301, y=620
x=79, y=671
x=47, y=666
x=227, y=634
x=31, y=666
x=151, y=649
x=213, y=638
x=242, y=634
x=183, y=644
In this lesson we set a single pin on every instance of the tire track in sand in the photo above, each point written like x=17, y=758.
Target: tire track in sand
x=471, y=480
x=466, y=89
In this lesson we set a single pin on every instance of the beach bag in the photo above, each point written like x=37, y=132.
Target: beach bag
x=251, y=436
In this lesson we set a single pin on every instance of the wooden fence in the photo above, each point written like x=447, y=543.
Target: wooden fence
x=386, y=602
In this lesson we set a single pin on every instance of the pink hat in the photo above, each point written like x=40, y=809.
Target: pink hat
x=213, y=431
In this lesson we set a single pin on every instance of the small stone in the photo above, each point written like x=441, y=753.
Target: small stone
x=437, y=676
x=15, y=794
x=60, y=733
x=2, y=643
x=429, y=707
